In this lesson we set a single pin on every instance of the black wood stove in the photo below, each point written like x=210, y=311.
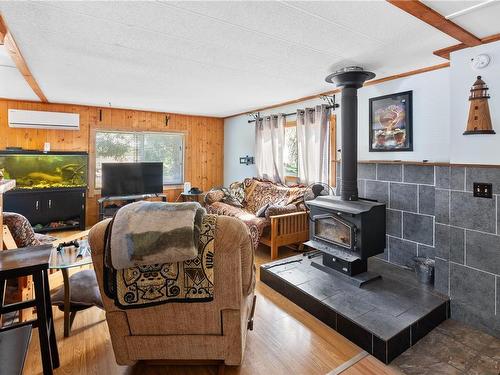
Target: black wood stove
x=347, y=229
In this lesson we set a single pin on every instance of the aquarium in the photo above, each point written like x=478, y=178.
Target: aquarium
x=39, y=170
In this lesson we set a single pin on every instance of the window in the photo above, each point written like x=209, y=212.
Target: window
x=290, y=157
x=130, y=147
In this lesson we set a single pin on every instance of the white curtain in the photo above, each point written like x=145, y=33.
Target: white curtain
x=312, y=140
x=269, y=142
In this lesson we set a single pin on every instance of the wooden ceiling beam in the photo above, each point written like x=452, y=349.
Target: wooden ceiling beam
x=16, y=56
x=433, y=18
x=445, y=52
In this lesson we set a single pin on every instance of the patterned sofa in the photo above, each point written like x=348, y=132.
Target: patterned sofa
x=274, y=214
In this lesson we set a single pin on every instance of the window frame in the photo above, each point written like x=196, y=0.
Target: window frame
x=94, y=190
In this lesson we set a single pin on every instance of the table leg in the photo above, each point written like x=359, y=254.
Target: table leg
x=67, y=303
x=52, y=333
x=43, y=328
x=3, y=286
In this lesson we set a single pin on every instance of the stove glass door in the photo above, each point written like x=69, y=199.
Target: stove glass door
x=334, y=230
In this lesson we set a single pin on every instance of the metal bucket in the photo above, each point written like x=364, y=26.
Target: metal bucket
x=424, y=269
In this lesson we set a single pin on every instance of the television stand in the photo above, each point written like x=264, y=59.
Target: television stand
x=109, y=205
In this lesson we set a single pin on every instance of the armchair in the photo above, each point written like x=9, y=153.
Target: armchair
x=196, y=331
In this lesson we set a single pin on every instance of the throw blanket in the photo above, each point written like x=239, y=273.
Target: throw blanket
x=154, y=232
x=148, y=285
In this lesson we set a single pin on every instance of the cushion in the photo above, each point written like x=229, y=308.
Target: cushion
x=261, y=212
x=274, y=210
x=258, y=193
x=214, y=195
x=84, y=291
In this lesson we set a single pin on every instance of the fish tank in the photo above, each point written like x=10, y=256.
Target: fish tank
x=34, y=170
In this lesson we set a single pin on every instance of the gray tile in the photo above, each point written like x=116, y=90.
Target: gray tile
x=389, y=172
x=497, y=198
x=377, y=190
x=442, y=241
x=475, y=317
x=488, y=175
x=419, y=174
x=385, y=254
x=426, y=251
x=441, y=275
x=418, y=228
x=472, y=213
x=457, y=245
x=361, y=188
x=367, y=171
x=457, y=178
x=473, y=290
x=403, y=197
x=348, y=304
x=443, y=177
x=483, y=251
x=402, y=252
x=442, y=206
x=394, y=223
x=426, y=199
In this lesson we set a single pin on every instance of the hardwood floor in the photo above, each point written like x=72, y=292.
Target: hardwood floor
x=286, y=340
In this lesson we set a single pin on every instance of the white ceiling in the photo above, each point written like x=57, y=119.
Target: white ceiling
x=210, y=58
x=481, y=22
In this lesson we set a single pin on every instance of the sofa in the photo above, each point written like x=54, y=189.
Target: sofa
x=274, y=214
x=195, y=331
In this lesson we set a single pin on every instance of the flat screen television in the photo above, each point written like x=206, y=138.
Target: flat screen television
x=131, y=179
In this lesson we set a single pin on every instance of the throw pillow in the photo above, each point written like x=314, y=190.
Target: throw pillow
x=261, y=212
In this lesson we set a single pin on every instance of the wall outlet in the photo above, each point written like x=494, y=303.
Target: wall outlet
x=482, y=190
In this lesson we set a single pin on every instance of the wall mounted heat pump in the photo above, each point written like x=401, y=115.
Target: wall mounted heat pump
x=43, y=120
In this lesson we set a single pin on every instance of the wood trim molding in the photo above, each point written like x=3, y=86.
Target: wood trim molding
x=336, y=91
x=16, y=56
x=3, y=30
x=434, y=19
x=445, y=52
x=407, y=74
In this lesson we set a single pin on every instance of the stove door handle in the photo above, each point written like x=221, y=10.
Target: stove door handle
x=323, y=216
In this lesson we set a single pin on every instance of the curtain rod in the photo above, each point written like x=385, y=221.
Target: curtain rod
x=329, y=99
x=291, y=114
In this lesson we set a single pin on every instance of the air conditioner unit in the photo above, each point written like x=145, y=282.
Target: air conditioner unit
x=43, y=120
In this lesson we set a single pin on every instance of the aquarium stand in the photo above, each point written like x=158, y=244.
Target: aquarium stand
x=44, y=208
x=109, y=205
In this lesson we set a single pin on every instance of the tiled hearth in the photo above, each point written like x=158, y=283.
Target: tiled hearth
x=432, y=212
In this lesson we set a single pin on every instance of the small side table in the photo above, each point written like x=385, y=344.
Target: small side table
x=192, y=197
x=64, y=260
x=32, y=261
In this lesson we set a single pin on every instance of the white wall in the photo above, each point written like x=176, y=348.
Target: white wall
x=239, y=140
x=479, y=149
x=431, y=124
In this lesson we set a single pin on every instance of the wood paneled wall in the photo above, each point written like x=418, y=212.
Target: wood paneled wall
x=204, y=137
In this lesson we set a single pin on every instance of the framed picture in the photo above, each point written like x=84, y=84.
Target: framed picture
x=391, y=122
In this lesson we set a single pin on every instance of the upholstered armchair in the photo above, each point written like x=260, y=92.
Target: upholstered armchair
x=195, y=331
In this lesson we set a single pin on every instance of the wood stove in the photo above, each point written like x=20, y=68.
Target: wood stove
x=347, y=232
x=345, y=229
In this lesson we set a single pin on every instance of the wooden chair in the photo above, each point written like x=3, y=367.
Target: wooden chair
x=24, y=289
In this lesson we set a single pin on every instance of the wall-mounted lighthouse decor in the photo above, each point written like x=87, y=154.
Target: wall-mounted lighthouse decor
x=479, y=121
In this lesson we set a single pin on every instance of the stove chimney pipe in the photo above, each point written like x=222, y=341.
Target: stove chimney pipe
x=350, y=79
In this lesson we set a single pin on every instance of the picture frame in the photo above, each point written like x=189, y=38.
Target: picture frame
x=391, y=122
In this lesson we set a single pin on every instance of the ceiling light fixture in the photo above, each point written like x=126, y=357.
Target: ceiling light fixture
x=469, y=9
